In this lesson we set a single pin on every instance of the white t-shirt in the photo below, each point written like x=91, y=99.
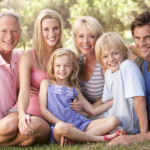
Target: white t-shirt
x=122, y=86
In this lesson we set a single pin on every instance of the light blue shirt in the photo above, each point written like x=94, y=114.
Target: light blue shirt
x=122, y=86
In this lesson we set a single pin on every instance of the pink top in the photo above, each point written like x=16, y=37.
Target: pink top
x=9, y=82
x=36, y=77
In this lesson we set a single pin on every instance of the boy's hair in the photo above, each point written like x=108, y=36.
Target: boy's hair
x=91, y=23
x=108, y=41
x=38, y=37
x=3, y=14
x=141, y=20
x=73, y=78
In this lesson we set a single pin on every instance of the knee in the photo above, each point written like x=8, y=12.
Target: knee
x=30, y=140
x=61, y=128
x=115, y=121
x=10, y=125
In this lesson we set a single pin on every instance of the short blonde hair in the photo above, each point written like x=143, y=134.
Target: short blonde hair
x=38, y=38
x=107, y=41
x=91, y=23
x=73, y=78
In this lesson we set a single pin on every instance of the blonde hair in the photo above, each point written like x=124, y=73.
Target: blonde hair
x=73, y=78
x=91, y=23
x=38, y=38
x=109, y=40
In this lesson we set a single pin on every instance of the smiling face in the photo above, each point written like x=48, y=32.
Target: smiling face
x=9, y=34
x=63, y=67
x=112, y=58
x=142, y=40
x=51, y=32
x=85, y=41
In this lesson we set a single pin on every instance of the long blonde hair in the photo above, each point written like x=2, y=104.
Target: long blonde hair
x=109, y=40
x=73, y=78
x=38, y=38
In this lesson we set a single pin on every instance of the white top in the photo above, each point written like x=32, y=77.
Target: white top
x=122, y=86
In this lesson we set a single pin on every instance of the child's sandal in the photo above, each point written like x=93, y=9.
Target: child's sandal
x=106, y=139
x=65, y=140
x=117, y=134
x=120, y=131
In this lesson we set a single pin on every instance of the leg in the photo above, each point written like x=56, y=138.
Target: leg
x=63, y=129
x=8, y=127
x=102, y=126
x=41, y=135
x=41, y=128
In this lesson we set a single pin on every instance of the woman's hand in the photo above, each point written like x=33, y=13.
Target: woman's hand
x=33, y=91
x=77, y=106
x=24, y=125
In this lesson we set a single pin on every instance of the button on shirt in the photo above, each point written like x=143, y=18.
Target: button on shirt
x=9, y=82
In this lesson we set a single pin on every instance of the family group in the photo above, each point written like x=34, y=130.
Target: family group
x=94, y=93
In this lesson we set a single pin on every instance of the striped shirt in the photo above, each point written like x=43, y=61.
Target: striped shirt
x=92, y=90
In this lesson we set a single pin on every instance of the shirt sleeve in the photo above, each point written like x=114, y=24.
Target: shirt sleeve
x=133, y=80
x=107, y=93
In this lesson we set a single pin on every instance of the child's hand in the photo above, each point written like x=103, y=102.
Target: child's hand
x=24, y=127
x=77, y=105
x=33, y=91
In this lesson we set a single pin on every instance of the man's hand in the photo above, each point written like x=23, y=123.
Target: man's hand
x=126, y=140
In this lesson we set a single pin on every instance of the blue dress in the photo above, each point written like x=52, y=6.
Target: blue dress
x=58, y=103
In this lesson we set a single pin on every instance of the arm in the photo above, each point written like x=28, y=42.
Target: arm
x=130, y=139
x=93, y=111
x=43, y=103
x=96, y=104
x=140, y=109
x=25, y=66
x=99, y=102
x=33, y=91
x=134, y=52
x=77, y=106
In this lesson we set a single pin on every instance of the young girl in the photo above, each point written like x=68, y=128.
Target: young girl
x=123, y=83
x=56, y=94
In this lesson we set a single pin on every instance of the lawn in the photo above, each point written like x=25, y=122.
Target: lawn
x=86, y=146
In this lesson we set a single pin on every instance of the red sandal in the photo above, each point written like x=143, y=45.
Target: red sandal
x=65, y=141
x=117, y=134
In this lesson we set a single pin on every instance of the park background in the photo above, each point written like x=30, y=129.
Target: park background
x=114, y=15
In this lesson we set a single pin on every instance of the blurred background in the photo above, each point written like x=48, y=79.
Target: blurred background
x=114, y=15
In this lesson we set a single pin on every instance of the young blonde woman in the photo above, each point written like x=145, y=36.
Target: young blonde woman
x=32, y=70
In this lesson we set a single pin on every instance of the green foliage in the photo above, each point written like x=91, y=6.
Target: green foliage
x=114, y=15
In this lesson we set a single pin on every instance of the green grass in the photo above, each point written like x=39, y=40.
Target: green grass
x=86, y=146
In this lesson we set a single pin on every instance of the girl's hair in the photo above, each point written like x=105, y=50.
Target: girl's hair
x=11, y=15
x=73, y=78
x=87, y=22
x=38, y=37
x=108, y=41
